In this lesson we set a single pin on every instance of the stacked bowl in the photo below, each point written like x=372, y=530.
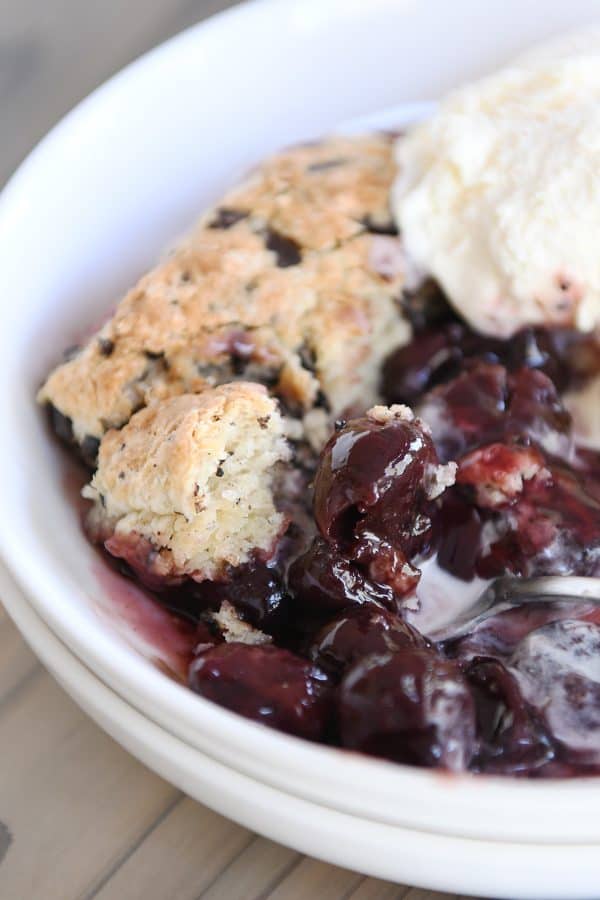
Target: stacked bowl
x=90, y=208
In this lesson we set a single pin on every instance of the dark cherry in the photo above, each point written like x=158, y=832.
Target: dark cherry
x=536, y=413
x=412, y=706
x=468, y=411
x=434, y=358
x=206, y=636
x=512, y=739
x=371, y=496
x=359, y=632
x=327, y=582
x=458, y=527
x=567, y=357
x=443, y=346
x=551, y=528
x=266, y=684
x=256, y=591
x=540, y=517
x=259, y=595
x=427, y=309
x=558, y=667
x=487, y=404
x=509, y=432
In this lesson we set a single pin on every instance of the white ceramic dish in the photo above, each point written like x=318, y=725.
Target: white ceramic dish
x=92, y=206
x=483, y=868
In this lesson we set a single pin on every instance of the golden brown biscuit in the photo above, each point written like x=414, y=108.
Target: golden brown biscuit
x=185, y=489
x=291, y=281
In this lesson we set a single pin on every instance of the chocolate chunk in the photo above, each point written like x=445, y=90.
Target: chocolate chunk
x=308, y=357
x=89, y=450
x=63, y=428
x=427, y=307
x=286, y=249
x=226, y=218
x=239, y=364
x=106, y=346
x=373, y=227
x=327, y=164
x=321, y=401
x=62, y=425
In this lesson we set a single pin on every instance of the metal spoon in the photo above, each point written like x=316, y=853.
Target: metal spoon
x=509, y=592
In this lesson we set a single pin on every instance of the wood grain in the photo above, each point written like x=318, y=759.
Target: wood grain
x=79, y=817
x=256, y=872
x=311, y=878
x=373, y=889
x=179, y=858
x=71, y=798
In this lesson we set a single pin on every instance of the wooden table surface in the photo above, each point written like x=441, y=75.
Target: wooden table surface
x=79, y=817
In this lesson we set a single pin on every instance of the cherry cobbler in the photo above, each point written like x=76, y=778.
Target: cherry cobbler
x=298, y=445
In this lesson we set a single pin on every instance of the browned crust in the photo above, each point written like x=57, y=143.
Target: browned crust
x=221, y=306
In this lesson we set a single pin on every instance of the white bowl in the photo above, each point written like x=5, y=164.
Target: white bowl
x=93, y=205
x=484, y=868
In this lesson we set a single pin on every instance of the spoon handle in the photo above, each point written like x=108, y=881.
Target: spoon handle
x=510, y=592
x=563, y=587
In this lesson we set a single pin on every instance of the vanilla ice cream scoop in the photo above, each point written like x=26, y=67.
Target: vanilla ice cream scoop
x=498, y=195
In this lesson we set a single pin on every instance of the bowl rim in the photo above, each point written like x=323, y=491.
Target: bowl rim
x=281, y=759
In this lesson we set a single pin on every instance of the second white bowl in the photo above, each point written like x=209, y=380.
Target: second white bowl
x=91, y=208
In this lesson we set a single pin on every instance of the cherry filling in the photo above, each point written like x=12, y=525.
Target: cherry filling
x=486, y=404
x=512, y=738
x=444, y=346
x=361, y=631
x=552, y=527
x=256, y=591
x=526, y=501
x=266, y=684
x=488, y=481
x=411, y=706
x=558, y=669
x=325, y=582
x=373, y=496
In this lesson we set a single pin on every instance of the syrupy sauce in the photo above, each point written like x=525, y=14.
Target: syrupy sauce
x=165, y=639
x=347, y=608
